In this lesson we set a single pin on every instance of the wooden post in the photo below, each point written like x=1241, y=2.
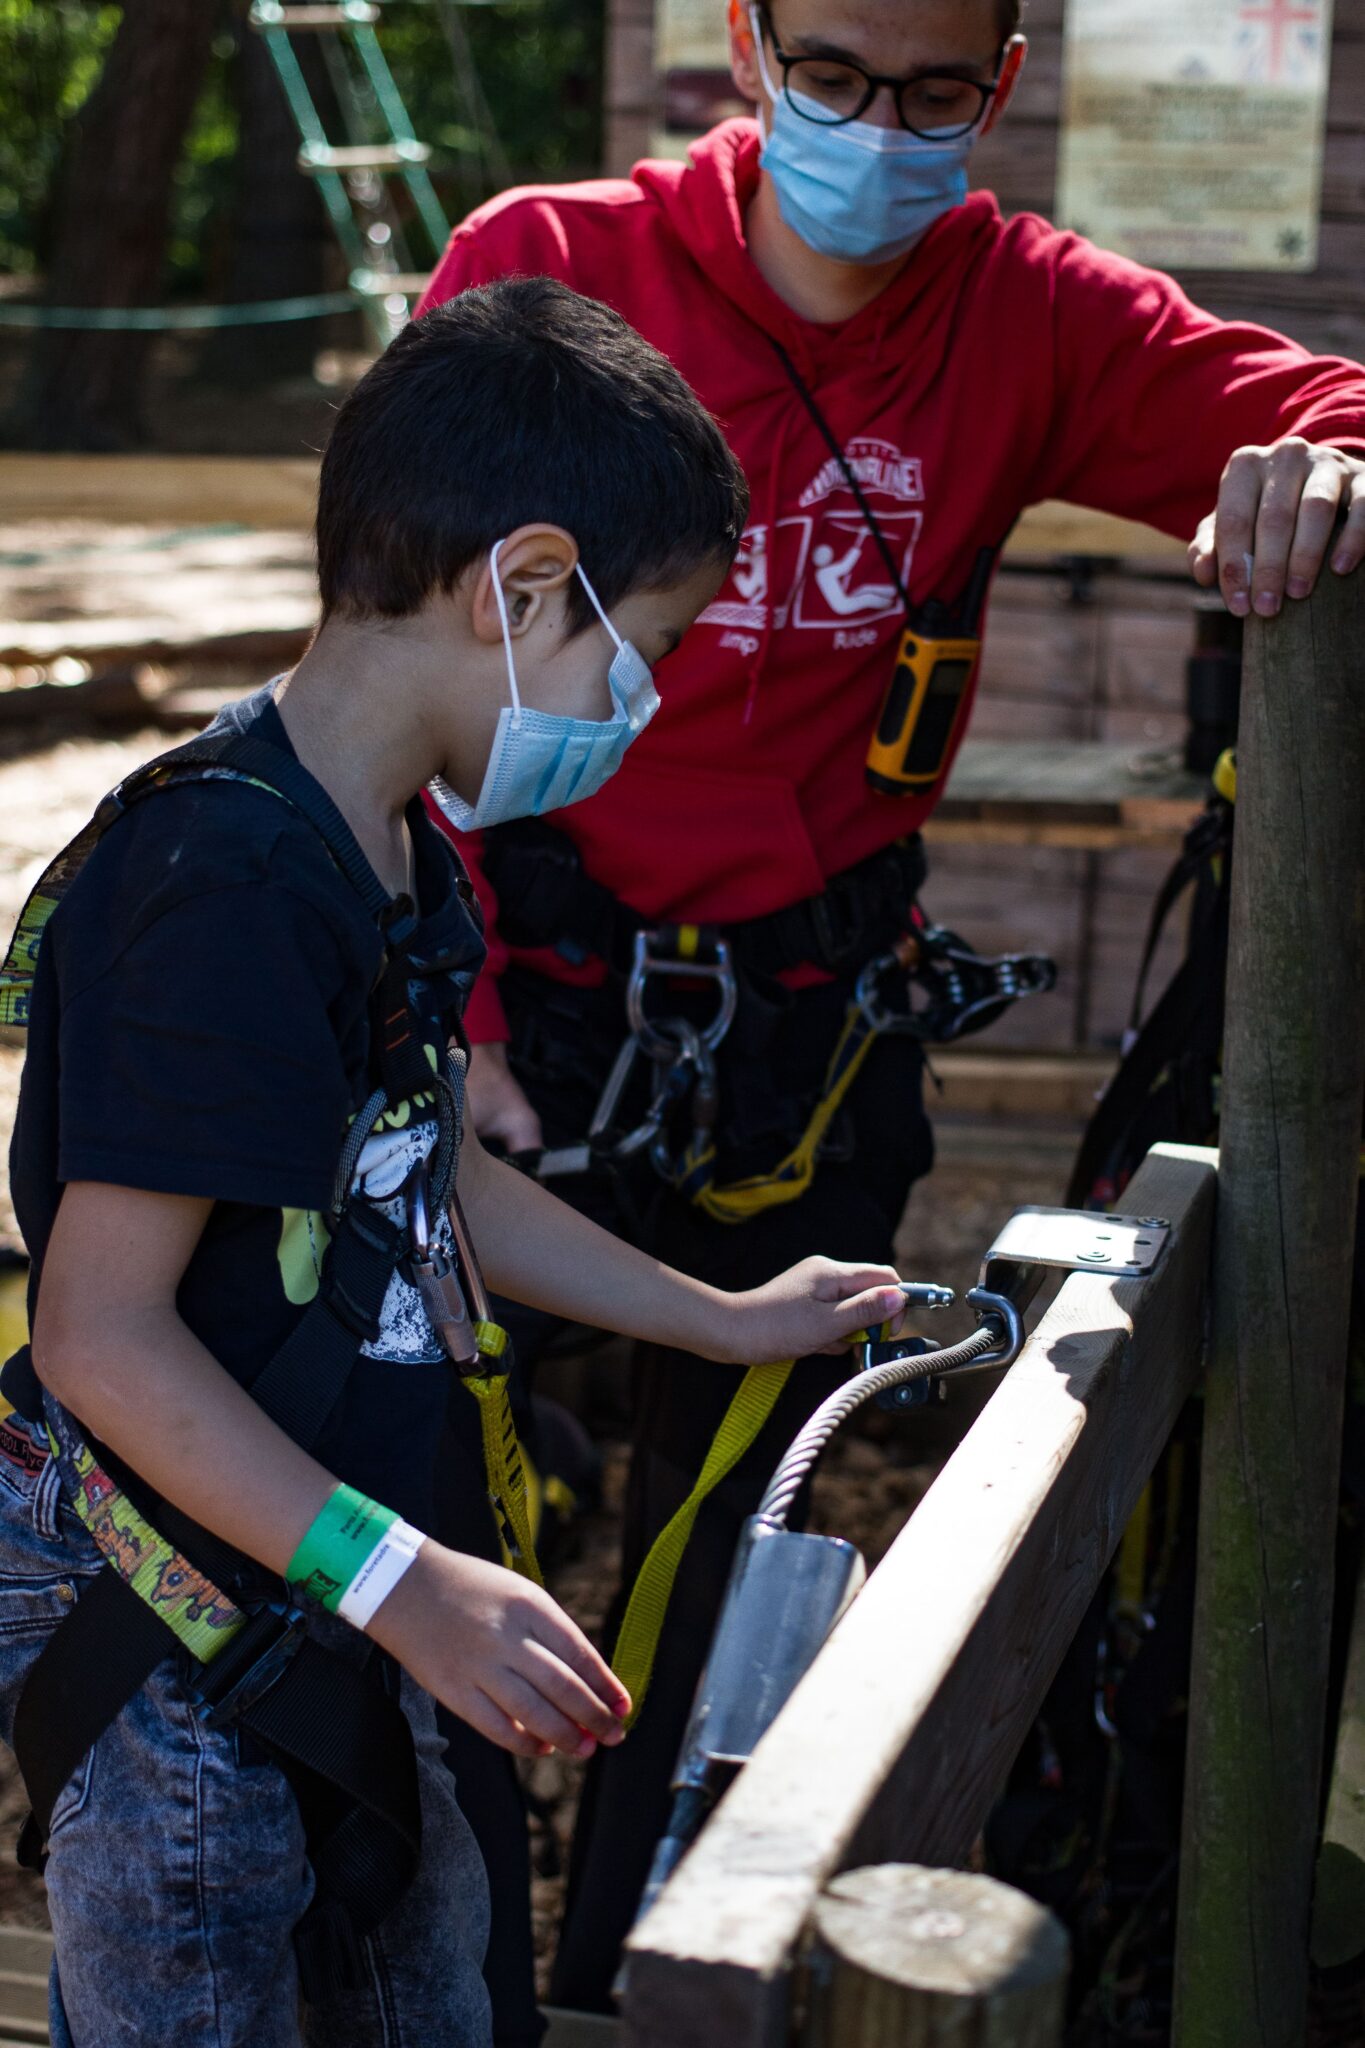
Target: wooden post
x=905, y=1957
x=1339, y=1883
x=1294, y=1061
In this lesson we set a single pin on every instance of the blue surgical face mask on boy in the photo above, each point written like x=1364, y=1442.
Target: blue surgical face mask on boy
x=856, y=193
x=542, y=760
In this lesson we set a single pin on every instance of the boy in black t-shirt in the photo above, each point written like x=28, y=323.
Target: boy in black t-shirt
x=237, y=1134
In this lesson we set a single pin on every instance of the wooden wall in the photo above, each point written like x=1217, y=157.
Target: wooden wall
x=1103, y=660
x=1323, y=308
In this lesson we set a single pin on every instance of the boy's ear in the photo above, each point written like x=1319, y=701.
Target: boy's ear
x=534, y=562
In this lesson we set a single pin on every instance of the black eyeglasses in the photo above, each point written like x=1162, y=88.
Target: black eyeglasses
x=935, y=105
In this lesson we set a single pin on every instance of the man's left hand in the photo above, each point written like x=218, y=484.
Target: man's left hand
x=1276, y=514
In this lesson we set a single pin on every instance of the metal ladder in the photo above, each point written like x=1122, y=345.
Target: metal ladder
x=356, y=177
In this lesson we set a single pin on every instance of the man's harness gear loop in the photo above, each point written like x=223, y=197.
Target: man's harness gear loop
x=335, y=1726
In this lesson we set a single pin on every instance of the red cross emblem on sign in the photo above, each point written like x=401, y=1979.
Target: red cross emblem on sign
x=1285, y=24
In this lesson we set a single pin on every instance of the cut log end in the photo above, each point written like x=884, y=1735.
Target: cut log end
x=906, y=1954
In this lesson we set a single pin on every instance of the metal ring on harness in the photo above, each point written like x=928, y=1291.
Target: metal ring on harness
x=646, y=962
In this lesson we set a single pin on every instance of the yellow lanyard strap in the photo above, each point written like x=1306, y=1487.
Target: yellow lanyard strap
x=504, y=1471
x=633, y=1657
x=790, y=1179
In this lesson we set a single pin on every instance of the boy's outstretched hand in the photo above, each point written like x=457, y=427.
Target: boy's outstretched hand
x=501, y=1654
x=814, y=1306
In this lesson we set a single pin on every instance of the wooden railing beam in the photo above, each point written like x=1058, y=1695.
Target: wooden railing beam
x=897, y=1741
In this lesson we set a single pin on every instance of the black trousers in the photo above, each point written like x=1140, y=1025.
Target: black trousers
x=563, y=1042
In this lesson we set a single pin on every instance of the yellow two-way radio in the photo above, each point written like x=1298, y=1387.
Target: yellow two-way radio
x=926, y=698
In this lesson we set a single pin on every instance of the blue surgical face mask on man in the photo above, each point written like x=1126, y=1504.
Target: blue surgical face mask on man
x=853, y=192
x=541, y=760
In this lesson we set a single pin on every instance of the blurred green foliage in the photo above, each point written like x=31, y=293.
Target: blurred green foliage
x=50, y=56
x=538, y=63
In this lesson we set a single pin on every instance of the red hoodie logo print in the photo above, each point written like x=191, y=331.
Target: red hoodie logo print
x=821, y=569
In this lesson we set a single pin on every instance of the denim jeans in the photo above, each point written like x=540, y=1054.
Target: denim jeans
x=177, y=1865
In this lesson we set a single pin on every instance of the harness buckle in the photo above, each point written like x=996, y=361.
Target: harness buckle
x=647, y=962
x=241, y=1675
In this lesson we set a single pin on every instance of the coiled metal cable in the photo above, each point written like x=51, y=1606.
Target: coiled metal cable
x=790, y=1475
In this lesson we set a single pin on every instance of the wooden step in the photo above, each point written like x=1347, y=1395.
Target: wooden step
x=365, y=156
x=25, y=1957
x=268, y=14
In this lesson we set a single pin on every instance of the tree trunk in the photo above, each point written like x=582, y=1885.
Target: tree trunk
x=82, y=389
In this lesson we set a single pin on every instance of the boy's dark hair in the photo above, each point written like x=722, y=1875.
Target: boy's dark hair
x=520, y=401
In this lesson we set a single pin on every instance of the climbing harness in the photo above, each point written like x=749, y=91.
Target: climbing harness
x=174, y=1587
x=910, y=977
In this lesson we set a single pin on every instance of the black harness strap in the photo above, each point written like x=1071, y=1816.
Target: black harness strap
x=548, y=900
x=307, y=1376
x=1164, y=1085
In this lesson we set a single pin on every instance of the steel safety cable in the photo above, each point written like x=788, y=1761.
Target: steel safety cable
x=806, y=1448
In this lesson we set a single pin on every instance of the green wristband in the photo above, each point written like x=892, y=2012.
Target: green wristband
x=336, y=1545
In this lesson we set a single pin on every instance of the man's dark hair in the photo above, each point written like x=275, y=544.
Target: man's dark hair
x=516, y=402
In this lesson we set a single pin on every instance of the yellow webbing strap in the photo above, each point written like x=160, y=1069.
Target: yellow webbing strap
x=790, y=1179
x=196, y=1612
x=633, y=1657
x=502, y=1463
x=1131, y=1576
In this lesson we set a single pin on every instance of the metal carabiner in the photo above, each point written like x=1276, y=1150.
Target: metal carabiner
x=433, y=1273
x=645, y=963
x=609, y=1101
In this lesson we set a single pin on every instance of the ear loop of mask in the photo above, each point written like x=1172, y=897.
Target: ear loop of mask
x=756, y=31
x=501, y=603
x=596, y=604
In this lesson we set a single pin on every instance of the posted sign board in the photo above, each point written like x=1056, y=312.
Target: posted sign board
x=691, y=35
x=1192, y=136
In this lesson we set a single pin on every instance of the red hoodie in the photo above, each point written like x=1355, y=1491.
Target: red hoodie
x=1005, y=364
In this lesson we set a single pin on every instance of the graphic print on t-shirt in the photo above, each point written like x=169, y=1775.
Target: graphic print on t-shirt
x=821, y=569
x=387, y=1159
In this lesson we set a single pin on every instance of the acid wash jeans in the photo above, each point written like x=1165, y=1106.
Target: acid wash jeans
x=177, y=1871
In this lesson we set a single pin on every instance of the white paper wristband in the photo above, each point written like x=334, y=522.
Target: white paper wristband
x=380, y=1573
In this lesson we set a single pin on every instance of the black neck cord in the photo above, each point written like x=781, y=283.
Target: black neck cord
x=807, y=399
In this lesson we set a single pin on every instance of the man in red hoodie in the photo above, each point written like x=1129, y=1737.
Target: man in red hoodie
x=901, y=372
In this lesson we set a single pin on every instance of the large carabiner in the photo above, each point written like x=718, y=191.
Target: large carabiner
x=647, y=962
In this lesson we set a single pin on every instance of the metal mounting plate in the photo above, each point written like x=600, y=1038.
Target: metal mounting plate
x=1078, y=1240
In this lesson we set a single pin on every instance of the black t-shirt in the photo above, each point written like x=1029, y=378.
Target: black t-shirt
x=200, y=1027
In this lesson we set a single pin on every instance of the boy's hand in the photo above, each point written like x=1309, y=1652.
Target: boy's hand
x=497, y=1103
x=1277, y=508
x=501, y=1654
x=815, y=1306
